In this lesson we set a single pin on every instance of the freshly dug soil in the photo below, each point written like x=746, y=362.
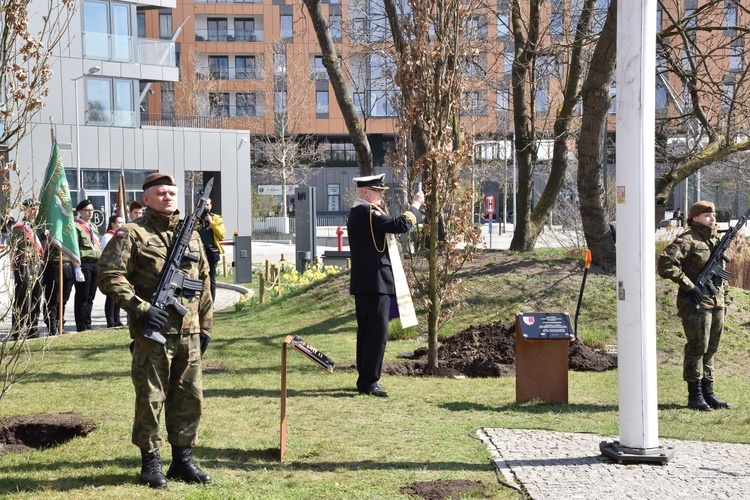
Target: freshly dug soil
x=488, y=350
x=445, y=489
x=26, y=432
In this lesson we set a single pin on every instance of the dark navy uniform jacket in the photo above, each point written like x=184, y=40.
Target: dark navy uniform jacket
x=367, y=228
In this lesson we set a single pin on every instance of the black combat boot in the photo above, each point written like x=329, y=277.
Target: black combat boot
x=151, y=473
x=184, y=468
x=695, y=396
x=710, y=397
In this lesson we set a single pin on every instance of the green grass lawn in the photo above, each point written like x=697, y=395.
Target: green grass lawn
x=340, y=444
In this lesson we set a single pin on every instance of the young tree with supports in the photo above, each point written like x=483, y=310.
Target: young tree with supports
x=27, y=46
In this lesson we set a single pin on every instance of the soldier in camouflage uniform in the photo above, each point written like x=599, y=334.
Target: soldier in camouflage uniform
x=168, y=376
x=682, y=261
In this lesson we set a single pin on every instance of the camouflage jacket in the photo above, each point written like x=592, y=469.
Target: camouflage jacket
x=132, y=262
x=683, y=260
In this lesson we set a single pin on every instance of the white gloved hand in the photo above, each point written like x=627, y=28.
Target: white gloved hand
x=80, y=278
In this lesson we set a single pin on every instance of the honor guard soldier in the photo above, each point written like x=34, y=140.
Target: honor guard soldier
x=164, y=376
x=682, y=261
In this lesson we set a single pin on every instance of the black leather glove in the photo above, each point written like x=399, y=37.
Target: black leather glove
x=155, y=318
x=205, y=340
x=695, y=296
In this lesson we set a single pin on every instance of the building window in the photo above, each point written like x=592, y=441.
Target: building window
x=341, y=151
x=141, y=18
x=319, y=70
x=321, y=102
x=218, y=67
x=542, y=97
x=279, y=64
x=110, y=101
x=246, y=105
x=219, y=103
x=503, y=19
x=508, y=61
x=557, y=20
x=474, y=103
x=167, y=98
x=660, y=100
x=217, y=29
x=477, y=67
x=245, y=67
x=357, y=29
x=279, y=101
x=287, y=28
x=106, y=31
x=735, y=58
x=730, y=14
x=476, y=28
x=334, y=21
x=503, y=100
x=244, y=30
x=600, y=15
x=165, y=25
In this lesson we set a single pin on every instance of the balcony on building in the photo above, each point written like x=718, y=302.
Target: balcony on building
x=156, y=57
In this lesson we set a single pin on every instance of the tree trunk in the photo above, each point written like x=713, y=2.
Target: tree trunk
x=340, y=87
x=525, y=138
x=591, y=158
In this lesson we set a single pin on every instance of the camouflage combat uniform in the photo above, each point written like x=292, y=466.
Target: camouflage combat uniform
x=170, y=375
x=682, y=261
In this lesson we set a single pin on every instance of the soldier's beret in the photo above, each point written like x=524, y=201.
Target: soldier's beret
x=83, y=204
x=157, y=179
x=29, y=202
x=371, y=181
x=700, y=207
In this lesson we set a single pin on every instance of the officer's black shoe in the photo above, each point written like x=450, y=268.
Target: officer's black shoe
x=151, y=473
x=695, y=397
x=710, y=397
x=184, y=468
x=375, y=391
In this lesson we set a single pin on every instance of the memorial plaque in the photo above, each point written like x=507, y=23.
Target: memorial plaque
x=318, y=357
x=545, y=326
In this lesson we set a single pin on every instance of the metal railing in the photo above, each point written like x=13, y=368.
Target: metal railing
x=182, y=121
x=228, y=35
x=229, y=73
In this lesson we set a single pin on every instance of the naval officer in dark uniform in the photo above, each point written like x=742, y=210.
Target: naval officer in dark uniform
x=372, y=281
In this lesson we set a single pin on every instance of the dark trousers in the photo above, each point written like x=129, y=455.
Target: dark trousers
x=213, y=257
x=85, y=293
x=50, y=283
x=112, y=313
x=26, y=301
x=372, y=334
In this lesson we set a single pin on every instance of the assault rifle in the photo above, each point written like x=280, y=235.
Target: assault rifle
x=173, y=283
x=712, y=275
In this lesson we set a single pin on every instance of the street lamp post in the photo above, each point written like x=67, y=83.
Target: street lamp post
x=79, y=179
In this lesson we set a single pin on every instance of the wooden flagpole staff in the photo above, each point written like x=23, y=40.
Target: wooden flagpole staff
x=311, y=353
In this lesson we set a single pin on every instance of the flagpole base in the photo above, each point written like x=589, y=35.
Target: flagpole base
x=622, y=454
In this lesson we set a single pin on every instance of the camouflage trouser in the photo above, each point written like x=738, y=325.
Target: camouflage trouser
x=702, y=332
x=169, y=378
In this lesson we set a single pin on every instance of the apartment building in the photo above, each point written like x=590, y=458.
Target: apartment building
x=107, y=65
x=246, y=62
